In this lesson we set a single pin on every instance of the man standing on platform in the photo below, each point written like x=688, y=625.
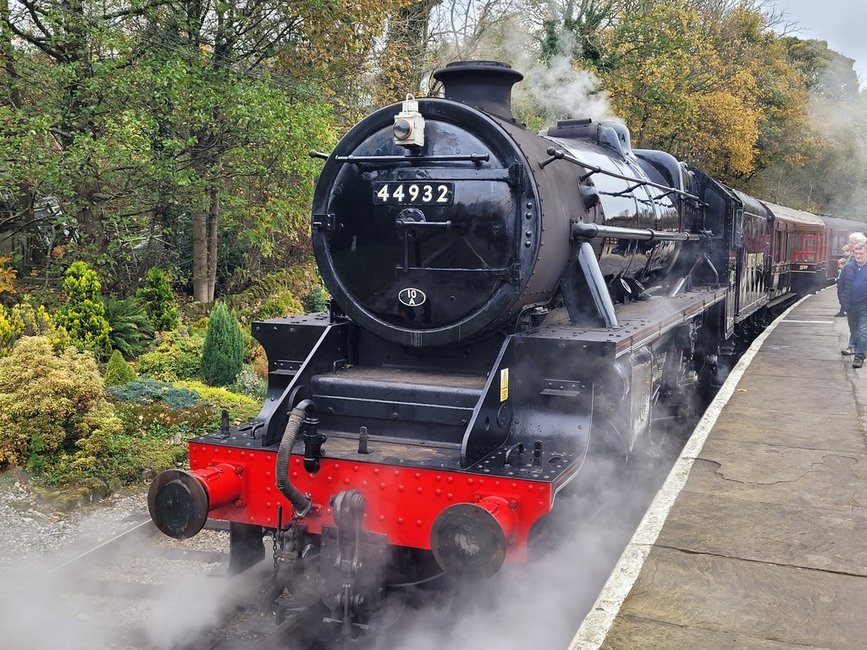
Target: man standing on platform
x=848, y=251
x=854, y=301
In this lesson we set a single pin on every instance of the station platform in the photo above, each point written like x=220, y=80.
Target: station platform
x=758, y=538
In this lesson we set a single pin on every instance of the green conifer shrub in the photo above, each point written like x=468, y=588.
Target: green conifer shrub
x=223, y=353
x=159, y=301
x=118, y=372
x=316, y=300
x=83, y=314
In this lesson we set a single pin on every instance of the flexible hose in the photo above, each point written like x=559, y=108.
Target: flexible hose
x=300, y=502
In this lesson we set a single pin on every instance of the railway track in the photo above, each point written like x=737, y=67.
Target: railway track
x=141, y=590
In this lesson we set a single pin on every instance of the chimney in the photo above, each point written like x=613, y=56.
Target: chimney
x=486, y=85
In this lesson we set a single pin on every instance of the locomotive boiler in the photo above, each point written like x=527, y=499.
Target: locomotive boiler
x=505, y=304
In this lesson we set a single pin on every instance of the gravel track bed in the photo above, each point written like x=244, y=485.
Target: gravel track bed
x=31, y=528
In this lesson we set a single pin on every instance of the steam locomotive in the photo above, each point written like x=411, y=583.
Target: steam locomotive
x=503, y=302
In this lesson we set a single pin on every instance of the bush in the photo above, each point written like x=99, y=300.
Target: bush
x=131, y=329
x=223, y=352
x=83, y=315
x=149, y=438
x=52, y=408
x=118, y=372
x=250, y=384
x=8, y=275
x=55, y=420
x=159, y=419
x=178, y=356
x=26, y=320
x=159, y=301
x=241, y=408
x=93, y=464
x=316, y=300
x=142, y=391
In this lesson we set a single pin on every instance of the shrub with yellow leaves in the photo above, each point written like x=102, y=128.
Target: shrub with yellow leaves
x=50, y=405
x=25, y=319
x=8, y=275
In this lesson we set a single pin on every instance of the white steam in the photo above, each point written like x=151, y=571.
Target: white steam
x=146, y=592
x=553, y=90
x=557, y=89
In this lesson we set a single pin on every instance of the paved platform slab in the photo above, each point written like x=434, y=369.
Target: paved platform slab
x=840, y=431
x=757, y=600
x=765, y=543
x=634, y=632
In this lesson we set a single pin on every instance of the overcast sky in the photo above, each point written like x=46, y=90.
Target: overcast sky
x=841, y=23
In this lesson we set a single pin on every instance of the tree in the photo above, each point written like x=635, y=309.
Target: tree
x=69, y=38
x=404, y=55
x=83, y=314
x=159, y=301
x=824, y=72
x=830, y=140
x=706, y=81
x=118, y=372
x=223, y=354
x=575, y=27
x=234, y=119
x=155, y=124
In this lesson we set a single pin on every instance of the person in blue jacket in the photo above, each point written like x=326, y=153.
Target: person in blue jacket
x=854, y=238
x=853, y=294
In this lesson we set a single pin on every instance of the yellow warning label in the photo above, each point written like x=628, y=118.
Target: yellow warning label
x=504, y=384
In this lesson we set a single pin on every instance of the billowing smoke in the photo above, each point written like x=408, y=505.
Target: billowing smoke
x=144, y=592
x=552, y=90
x=843, y=126
x=557, y=89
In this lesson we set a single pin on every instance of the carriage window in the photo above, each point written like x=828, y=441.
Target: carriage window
x=806, y=247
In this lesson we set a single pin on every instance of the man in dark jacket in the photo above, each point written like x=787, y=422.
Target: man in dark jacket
x=854, y=301
x=842, y=290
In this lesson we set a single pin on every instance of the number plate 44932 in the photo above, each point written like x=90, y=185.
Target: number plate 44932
x=413, y=193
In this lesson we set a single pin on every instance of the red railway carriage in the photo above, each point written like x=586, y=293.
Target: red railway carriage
x=838, y=236
x=800, y=250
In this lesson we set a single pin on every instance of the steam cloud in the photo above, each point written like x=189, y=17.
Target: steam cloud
x=550, y=91
x=92, y=606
